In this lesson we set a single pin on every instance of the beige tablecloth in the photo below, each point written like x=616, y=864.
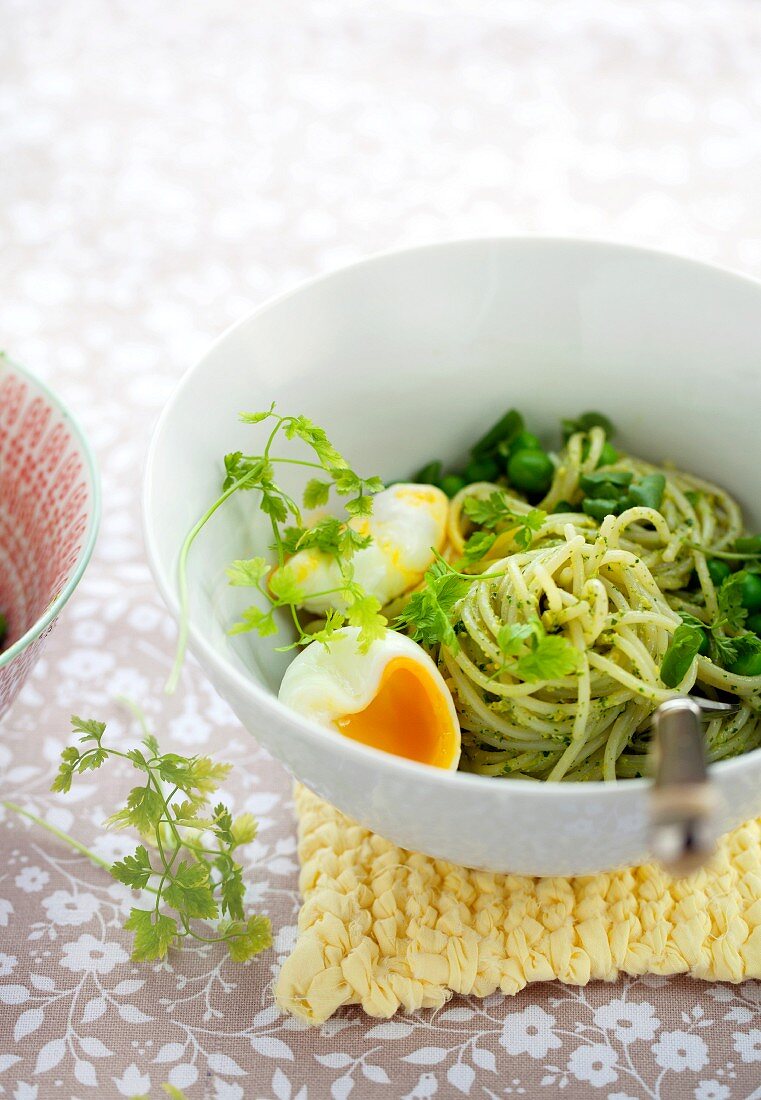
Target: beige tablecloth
x=165, y=167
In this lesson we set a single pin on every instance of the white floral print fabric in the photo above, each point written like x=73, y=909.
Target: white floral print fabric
x=165, y=167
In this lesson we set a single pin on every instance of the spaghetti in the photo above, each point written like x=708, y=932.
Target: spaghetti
x=617, y=591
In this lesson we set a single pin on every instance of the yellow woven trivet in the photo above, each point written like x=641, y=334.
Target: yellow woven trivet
x=388, y=929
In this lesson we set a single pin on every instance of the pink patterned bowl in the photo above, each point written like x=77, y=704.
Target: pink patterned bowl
x=49, y=515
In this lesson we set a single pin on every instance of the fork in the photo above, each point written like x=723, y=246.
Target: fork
x=683, y=802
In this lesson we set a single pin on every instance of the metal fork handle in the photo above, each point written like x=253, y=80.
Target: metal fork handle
x=683, y=802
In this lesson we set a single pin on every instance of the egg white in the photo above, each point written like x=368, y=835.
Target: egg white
x=327, y=684
x=407, y=524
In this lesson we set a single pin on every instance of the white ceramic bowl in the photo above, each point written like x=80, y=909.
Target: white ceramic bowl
x=412, y=355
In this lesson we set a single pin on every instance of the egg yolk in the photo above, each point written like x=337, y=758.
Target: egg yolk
x=407, y=717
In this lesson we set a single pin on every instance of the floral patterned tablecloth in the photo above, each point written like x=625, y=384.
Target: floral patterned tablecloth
x=164, y=168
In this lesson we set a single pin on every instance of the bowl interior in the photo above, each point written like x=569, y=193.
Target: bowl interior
x=48, y=505
x=412, y=355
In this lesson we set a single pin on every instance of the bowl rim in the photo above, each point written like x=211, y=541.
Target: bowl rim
x=54, y=608
x=269, y=704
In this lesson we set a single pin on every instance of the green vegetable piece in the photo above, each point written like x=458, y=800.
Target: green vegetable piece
x=749, y=544
x=452, y=483
x=591, y=484
x=748, y=660
x=608, y=455
x=530, y=471
x=684, y=648
x=585, y=422
x=503, y=431
x=754, y=623
x=648, y=491
x=430, y=474
x=481, y=469
x=564, y=506
x=718, y=571
x=599, y=509
x=750, y=591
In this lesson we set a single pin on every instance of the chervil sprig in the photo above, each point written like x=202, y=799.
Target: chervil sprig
x=531, y=654
x=188, y=858
x=332, y=535
x=431, y=612
x=493, y=512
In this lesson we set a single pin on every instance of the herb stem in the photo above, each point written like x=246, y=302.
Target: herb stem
x=182, y=575
x=65, y=837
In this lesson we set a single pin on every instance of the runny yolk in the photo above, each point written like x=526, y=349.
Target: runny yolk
x=407, y=717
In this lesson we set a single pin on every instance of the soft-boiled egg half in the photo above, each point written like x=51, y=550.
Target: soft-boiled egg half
x=407, y=524
x=392, y=697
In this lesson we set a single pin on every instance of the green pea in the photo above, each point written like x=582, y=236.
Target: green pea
x=530, y=471
x=747, y=664
x=429, y=474
x=718, y=571
x=524, y=441
x=753, y=622
x=481, y=469
x=452, y=483
x=608, y=455
x=750, y=592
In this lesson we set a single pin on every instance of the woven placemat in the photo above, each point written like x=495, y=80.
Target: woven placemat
x=390, y=929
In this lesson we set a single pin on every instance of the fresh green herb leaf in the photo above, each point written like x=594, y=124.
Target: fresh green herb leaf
x=316, y=493
x=188, y=849
x=253, y=618
x=488, y=511
x=134, y=870
x=729, y=598
x=331, y=535
x=429, y=614
x=364, y=612
x=249, y=573
x=189, y=891
x=154, y=933
x=494, y=511
x=285, y=588
x=551, y=658
x=249, y=939
x=256, y=418
x=478, y=545
x=334, y=620
x=512, y=637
